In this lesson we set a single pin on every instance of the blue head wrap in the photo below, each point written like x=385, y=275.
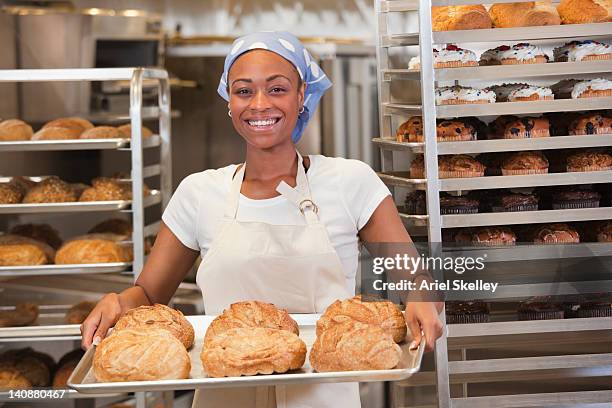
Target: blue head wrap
x=289, y=47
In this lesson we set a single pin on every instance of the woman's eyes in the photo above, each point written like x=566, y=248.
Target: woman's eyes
x=246, y=91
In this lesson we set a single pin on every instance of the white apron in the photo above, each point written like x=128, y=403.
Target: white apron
x=293, y=266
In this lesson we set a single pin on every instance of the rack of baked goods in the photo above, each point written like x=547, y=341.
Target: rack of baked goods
x=353, y=340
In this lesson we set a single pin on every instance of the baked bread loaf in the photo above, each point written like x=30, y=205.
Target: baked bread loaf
x=381, y=313
x=591, y=124
x=533, y=13
x=21, y=251
x=107, y=189
x=10, y=194
x=12, y=379
x=126, y=131
x=65, y=367
x=24, y=315
x=75, y=123
x=14, y=130
x=460, y=18
x=160, y=317
x=251, y=314
x=50, y=190
x=141, y=355
x=252, y=350
x=585, y=11
x=32, y=365
x=115, y=226
x=56, y=133
x=79, y=312
x=93, y=248
x=101, y=132
x=350, y=345
x=23, y=184
x=40, y=232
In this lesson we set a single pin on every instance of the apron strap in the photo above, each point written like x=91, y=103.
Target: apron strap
x=231, y=206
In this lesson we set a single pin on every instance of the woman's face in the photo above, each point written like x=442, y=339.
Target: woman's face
x=265, y=97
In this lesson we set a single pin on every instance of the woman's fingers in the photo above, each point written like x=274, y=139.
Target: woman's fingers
x=105, y=323
x=415, y=330
x=88, y=328
x=432, y=330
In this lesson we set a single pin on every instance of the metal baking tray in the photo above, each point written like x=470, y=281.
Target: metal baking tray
x=75, y=269
x=69, y=394
x=83, y=380
x=50, y=323
x=153, y=198
x=74, y=144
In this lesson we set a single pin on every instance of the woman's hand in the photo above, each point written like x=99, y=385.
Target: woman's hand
x=422, y=320
x=102, y=317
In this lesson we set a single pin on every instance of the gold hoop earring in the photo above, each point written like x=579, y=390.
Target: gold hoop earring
x=229, y=113
x=301, y=110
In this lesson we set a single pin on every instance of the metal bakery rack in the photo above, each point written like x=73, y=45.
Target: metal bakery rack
x=48, y=328
x=464, y=374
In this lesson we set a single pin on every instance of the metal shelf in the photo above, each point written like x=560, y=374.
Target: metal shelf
x=511, y=108
x=78, y=206
x=76, y=269
x=401, y=108
x=414, y=220
x=33, y=332
x=532, y=180
x=76, y=144
x=401, y=179
x=501, y=145
x=493, y=72
x=534, y=252
x=560, y=399
x=69, y=394
x=526, y=217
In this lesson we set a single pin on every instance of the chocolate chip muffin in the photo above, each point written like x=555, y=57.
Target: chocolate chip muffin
x=50, y=190
x=589, y=161
x=411, y=130
x=575, y=198
x=525, y=128
x=591, y=124
x=467, y=312
x=528, y=162
x=455, y=131
x=556, y=234
x=450, y=204
x=10, y=194
x=510, y=202
x=497, y=128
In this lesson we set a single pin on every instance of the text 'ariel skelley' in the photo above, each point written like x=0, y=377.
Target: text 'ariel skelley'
x=436, y=285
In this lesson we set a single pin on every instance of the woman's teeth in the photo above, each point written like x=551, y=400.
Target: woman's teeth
x=267, y=122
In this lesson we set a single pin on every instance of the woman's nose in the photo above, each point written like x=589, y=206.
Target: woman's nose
x=260, y=101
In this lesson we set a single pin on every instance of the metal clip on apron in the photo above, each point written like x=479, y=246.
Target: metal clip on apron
x=293, y=266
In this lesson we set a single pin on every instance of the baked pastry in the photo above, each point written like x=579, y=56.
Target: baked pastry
x=527, y=162
x=410, y=130
x=115, y=226
x=526, y=128
x=493, y=236
x=93, y=248
x=252, y=350
x=591, y=124
x=12, y=379
x=73, y=122
x=161, y=317
x=23, y=184
x=587, y=50
x=24, y=315
x=556, y=234
x=126, y=131
x=9, y=194
x=32, y=365
x=381, y=313
x=65, y=367
x=540, y=309
x=449, y=57
x=584, y=11
x=450, y=204
x=510, y=202
x=40, y=232
x=522, y=53
x=467, y=312
x=459, y=95
x=251, y=314
x=102, y=132
x=415, y=203
x=592, y=88
x=21, y=251
x=530, y=93
x=465, y=17
x=50, y=190
x=561, y=121
x=589, y=161
x=575, y=198
x=79, y=312
x=604, y=232
x=497, y=127
x=533, y=13
x=454, y=130
x=459, y=166
x=351, y=345
x=141, y=355
x=107, y=189
x=57, y=133
x=417, y=167
x=15, y=130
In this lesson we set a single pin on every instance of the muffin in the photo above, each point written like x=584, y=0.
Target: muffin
x=493, y=236
x=525, y=128
x=467, y=312
x=15, y=130
x=595, y=306
x=50, y=190
x=459, y=95
x=497, y=128
x=40, y=232
x=417, y=167
x=458, y=204
x=575, y=198
x=454, y=131
x=591, y=124
x=481, y=128
x=556, y=234
x=592, y=88
x=528, y=162
x=492, y=162
x=587, y=50
x=560, y=122
x=522, y=53
x=540, y=309
x=410, y=130
x=604, y=232
x=9, y=194
x=415, y=203
x=459, y=166
x=589, y=161
x=510, y=202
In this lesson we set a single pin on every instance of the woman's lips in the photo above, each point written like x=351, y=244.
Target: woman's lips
x=262, y=124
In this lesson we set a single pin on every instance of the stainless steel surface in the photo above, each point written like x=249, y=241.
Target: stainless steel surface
x=535, y=252
x=78, y=144
x=83, y=380
x=401, y=178
x=154, y=198
x=68, y=394
x=7, y=333
x=545, y=400
x=414, y=220
x=76, y=269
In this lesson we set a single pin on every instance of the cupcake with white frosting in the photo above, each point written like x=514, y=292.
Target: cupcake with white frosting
x=449, y=57
x=531, y=93
x=588, y=50
x=522, y=53
x=459, y=95
x=592, y=88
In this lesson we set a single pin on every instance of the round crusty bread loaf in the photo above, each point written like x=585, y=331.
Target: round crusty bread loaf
x=24, y=315
x=126, y=131
x=463, y=17
x=539, y=13
x=10, y=194
x=12, y=379
x=78, y=124
x=101, y=132
x=251, y=314
x=51, y=190
x=350, y=345
x=56, y=133
x=79, y=312
x=141, y=355
x=21, y=251
x=585, y=11
x=251, y=351
x=381, y=313
x=14, y=130
x=93, y=248
x=161, y=317
x=29, y=364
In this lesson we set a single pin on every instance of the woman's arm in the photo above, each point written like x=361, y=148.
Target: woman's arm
x=166, y=267
x=385, y=225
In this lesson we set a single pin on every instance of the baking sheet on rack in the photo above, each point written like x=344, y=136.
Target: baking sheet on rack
x=83, y=379
x=37, y=270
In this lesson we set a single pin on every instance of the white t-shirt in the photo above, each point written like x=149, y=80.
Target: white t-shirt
x=346, y=191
